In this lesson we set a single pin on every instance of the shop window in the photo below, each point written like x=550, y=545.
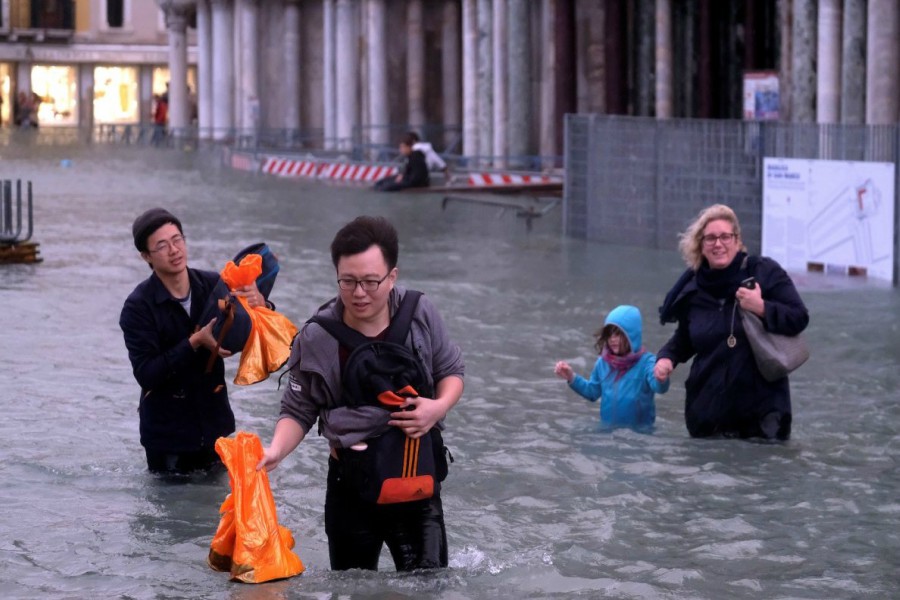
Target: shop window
x=115, y=13
x=54, y=94
x=116, y=95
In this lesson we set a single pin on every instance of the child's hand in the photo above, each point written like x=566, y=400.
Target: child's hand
x=564, y=371
x=662, y=369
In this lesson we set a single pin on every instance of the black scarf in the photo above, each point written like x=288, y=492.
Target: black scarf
x=721, y=283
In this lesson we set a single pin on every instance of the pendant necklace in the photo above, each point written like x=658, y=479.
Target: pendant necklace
x=732, y=341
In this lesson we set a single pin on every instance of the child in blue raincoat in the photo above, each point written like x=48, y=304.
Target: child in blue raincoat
x=622, y=378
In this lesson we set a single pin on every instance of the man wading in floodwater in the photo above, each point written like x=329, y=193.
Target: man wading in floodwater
x=183, y=409
x=362, y=430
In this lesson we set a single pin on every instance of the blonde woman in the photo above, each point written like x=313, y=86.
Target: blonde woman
x=726, y=395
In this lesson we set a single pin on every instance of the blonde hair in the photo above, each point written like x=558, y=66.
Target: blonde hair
x=690, y=242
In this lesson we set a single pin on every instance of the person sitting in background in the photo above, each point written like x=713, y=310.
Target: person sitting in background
x=432, y=158
x=415, y=171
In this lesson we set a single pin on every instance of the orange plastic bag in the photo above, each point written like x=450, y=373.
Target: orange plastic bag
x=249, y=543
x=269, y=344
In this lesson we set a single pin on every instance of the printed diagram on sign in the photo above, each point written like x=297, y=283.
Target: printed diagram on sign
x=828, y=216
x=842, y=235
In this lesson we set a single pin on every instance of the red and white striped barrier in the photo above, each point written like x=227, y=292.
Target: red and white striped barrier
x=319, y=169
x=242, y=162
x=355, y=172
x=287, y=167
x=501, y=179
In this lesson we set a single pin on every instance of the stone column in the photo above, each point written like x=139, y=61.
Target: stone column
x=501, y=83
x=379, y=115
x=803, y=62
x=520, y=92
x=415, y=64
x=828, y=62
x=470, y=86
x=329, y=97
x=590, y=65
x=179, y=112
x=548, y=124
x=292, y=65
x=204, y=70
x=644, y=86
x=223, y=69
x=346, y=73
x=485, y=77
x=145, y=87
x=450, y=73
x=883, y=68
x=85, y=96
x=784, y=8
x=663, y=59
x=853, y=63
x=249, y=53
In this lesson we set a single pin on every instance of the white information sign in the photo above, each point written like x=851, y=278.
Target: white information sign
x=831, y=216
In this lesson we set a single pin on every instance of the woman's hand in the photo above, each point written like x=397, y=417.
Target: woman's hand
x=564, y=371
x=751, y=300
x=662, y=369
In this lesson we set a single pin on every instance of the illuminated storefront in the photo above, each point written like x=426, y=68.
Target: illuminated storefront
x=116, y=95
x=56, y=89
x=5, y=98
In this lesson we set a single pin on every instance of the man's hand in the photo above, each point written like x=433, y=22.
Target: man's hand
x=416, y=416
x=206, y=338
x=254, y=297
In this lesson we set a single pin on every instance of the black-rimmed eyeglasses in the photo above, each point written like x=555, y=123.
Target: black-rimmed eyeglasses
x=725, y=238
x=348, y=284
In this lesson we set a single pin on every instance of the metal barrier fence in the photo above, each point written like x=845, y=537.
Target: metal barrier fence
x=359, y=147
x=640, y=181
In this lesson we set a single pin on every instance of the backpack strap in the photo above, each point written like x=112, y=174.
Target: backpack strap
x=345, y=335
x=399, y=327
x=396, y=331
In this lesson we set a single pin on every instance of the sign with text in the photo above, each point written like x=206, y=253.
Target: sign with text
x=761, y=96
x=831, y=216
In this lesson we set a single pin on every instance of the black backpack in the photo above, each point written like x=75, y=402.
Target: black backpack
x=393, y=468
x=380, y=372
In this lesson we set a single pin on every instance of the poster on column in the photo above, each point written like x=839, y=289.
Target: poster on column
x=830, y=216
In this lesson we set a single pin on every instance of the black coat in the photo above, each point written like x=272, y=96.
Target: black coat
x=725, y=392
x=416, y=172
x=182, y=408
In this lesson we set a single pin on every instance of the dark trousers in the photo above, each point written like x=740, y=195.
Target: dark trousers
x=413, y=531
x=182, y=462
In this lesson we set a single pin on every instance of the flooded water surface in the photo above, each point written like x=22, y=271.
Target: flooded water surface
x=538, y=503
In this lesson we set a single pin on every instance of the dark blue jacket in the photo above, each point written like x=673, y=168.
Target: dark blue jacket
x=181, y=407
x=725, y=392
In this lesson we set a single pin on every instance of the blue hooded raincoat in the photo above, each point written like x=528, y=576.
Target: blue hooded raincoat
x=626, y=401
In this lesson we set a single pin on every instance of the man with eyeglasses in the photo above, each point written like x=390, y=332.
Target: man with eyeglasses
x=183, y=408
x=364, y=253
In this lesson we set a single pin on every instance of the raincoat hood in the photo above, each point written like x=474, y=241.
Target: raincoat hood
x=628, y=319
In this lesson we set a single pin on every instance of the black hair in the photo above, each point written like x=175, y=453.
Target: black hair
x=362, y=233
